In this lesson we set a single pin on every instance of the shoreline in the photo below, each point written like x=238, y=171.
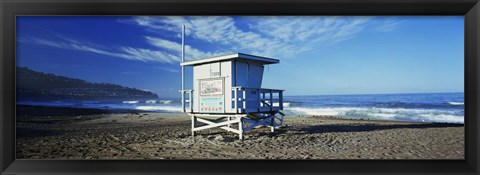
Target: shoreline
x=54, y=111
x=35, y=110
x=148, y=135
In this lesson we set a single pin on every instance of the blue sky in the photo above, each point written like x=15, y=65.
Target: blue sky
x=318, y=55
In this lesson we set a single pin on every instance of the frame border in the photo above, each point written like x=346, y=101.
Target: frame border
x=470, y=9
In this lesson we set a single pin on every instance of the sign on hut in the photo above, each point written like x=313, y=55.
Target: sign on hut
x=227, y=93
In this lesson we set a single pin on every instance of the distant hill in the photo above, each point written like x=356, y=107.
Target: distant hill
x=33, y=85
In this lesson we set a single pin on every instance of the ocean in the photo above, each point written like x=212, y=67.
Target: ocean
x=420, y=107
x=425, y=107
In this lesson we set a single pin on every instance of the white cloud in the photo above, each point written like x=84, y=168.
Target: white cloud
x=390, y=24
x=176, y=48
x=138, y=54
x=278, y=37
x=149, y=55
x=44, y=42
x=169, y=69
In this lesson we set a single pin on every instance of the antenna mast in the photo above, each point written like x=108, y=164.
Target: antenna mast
x=183, y=68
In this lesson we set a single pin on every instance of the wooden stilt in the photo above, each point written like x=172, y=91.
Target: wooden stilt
x=229, y=125
x=272, y=129
x=245, y=122
x=214, y=125
x=194, y=119
x=240, y=128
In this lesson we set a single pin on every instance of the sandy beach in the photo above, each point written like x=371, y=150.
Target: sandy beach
x=101, y=134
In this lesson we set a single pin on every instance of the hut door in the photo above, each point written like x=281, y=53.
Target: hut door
x=212, y=95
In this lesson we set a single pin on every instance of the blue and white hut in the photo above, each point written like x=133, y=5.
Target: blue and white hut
x=227, y=93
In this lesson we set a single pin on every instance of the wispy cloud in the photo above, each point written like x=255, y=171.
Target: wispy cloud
x=389, y=24
x=266, y=36
x=176, y=48
x=278, y=37
x=129, y=53
x=149, y=55
x=169, y=69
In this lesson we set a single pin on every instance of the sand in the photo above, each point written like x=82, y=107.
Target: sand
x=135, y=135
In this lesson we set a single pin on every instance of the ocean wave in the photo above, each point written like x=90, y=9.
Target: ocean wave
x=397, y=114
x=165, y=101
x=158, y=101
x=130, y=102
x=456, y=103
x=159, y=108
x=293, y=103
x=413, y=105
x=151, y=101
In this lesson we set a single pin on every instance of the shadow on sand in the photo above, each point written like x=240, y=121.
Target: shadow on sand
x=371, y=127
x=31, y=132
x=316, y=129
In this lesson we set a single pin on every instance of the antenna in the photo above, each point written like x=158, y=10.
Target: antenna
x=183, y=68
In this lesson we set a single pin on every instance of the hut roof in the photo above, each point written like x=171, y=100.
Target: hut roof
x=234, y=56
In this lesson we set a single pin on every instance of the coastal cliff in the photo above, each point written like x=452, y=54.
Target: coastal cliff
x=33, y=85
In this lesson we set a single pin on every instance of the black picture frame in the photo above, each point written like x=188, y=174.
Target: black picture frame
x=11, y=8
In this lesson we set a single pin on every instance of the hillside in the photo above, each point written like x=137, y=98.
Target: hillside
x=33, y=85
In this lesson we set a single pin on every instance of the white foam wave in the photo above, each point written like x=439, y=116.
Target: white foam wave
x=165, y=101
x=456, y=103
x=159, y=108
x=398, y=114
x=130, y=102
x=151, y=101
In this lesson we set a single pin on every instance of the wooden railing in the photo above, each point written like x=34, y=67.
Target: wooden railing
x=187, y=103
x=246, y=100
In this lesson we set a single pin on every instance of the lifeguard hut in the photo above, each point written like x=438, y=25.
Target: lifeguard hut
x=227, y=93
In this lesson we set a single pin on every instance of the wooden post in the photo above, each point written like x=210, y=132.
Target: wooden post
x=272, y=129
x=236, y=100
x=240, y=128
x=183, y=99
x=245, y=100
x=229, y=125
x=190, y=101
x=263, y=94
x=281, y=119
x=194, y=119
x=280, y=96
x=271, y=100
x=258, y=100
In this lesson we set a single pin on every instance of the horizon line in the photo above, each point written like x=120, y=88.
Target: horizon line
x=391, y=93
